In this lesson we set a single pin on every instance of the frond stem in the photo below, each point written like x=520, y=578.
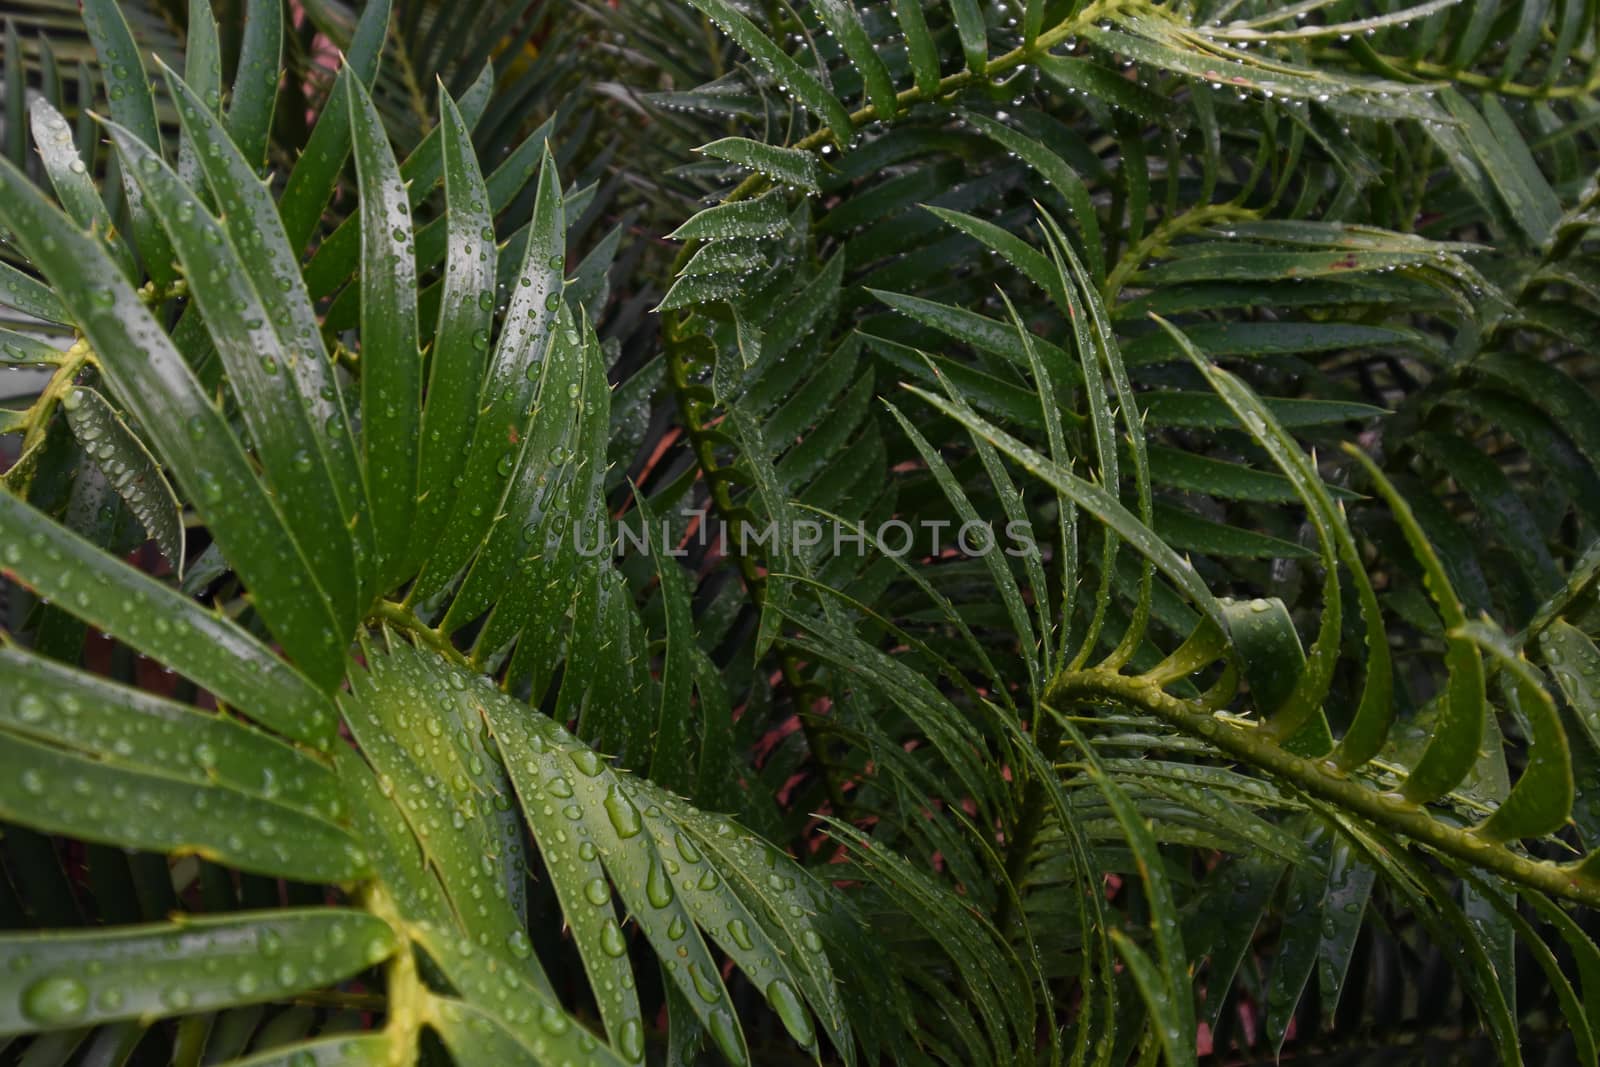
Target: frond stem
x=1316, y=779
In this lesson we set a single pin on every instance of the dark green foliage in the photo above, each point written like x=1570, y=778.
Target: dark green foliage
x=1121, y=484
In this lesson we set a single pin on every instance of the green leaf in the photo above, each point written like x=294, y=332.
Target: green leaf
x=461, y=340
x=202, y=70
x=162, y=623
x=421, y=744
x=791, y=166
x=762, y=217
x=920, y=49
x=28, y=295
x=21, y=350
x=1219, y=339
x=133, y=107
x=1541, y=800
x=151, y=378
x=1510, y=167
x=672, y=757
x=69, y=176
x=260, y=366
x=1194, y=473
x=255, y=80
x=1303, y=707
x=1203, y=411
x=345, y=1050
x=668, y=885
x=1080, y=75
x=537, y=505
x=59, y=979
x=1575, y=661
x=1298, y=944
x=1093, y=499
x=506, y=392
x=1211, y=264
x=973, y=32
x=59, y=792
x=843, y=23
x=776, y=62
x=53, y=703
x=1169, y=44
x=1457, y=732
x=474, y=1034
x=316, y=172
x=1166, y=988
x=391, y=363
x=130, y=469
x=982, y=332
x=1057, y=172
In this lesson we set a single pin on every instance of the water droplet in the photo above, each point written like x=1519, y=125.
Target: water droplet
x=658, y=886
x=612, y=943
x=519, y=945
x=630, y=1041
x=793, y=1015
x=55, y=1000
x=623, y=815
x=726, y=1034
x=704, y=987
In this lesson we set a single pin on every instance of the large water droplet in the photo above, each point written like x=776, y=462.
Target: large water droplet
x=623, y=815
x=793, y=1015
x=612, y=942
x=658, y=886
x=55, y=1000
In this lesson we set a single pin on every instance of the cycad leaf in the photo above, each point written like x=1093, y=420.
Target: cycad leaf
x=518, y=1036
x=1338, y=548
x=1457, y=733
x=1541, y=800
x=51, y=702
x=1166, y=988
x=461, y=341
x=256, y=237
x=391, y=363
x=202, y=70
x=1575, y=662
x=506, y=392
x=133, y=107
x=1058, y=173
x=844, y=23
x=311, y=182
x=762, y=217
x=669, y=886
x=261, y=369
x=973, y=33
x=162, y=623
x=59, y=792
x=533, y=509
x=130, y=469
x=920, y=49
x=30, y=296
x=424, y=760
x=69, y=176
x=345, y=1050
x=776, y=62
x=197, y=964
x=255, y=81
x=1093, y=499
x=151, y=378
x=792, y=166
